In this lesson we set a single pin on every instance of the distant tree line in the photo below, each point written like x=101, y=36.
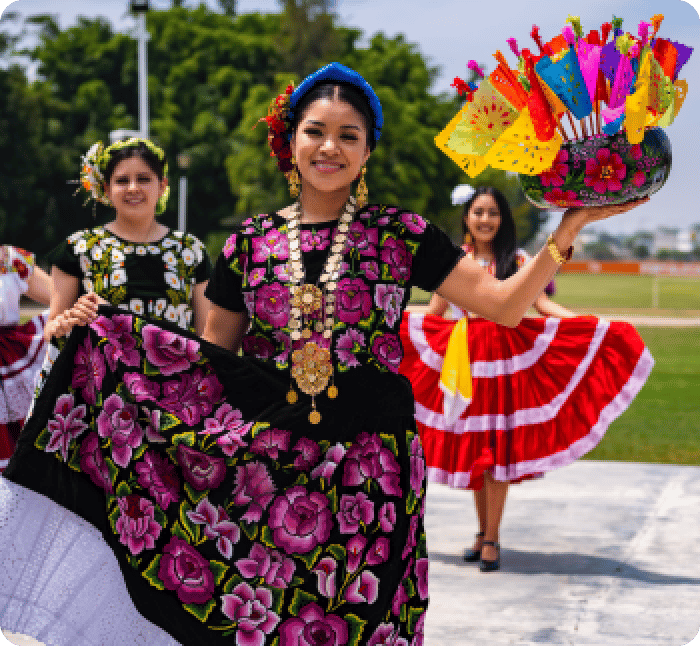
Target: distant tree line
x=211, y=77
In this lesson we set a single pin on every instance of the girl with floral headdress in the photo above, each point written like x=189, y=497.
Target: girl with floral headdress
x=275, y=497
x=133, y=262
x=542, y=394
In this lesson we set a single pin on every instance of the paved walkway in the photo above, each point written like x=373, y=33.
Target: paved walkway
x=596, y=554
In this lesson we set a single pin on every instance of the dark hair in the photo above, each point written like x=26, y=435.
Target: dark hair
x=345, y=92
x=504, y=242
x=138, y=150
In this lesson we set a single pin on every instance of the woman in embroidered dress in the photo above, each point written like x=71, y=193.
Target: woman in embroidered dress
x=277, y=497
x=525, y=368
x=22, y=347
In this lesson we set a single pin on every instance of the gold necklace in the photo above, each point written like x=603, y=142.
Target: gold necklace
x=312, y=308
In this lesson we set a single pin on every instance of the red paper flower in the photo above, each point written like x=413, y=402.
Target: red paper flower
x=556, y=175
x=605, y=171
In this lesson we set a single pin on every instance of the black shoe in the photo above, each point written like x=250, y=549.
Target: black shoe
x=472, y=555
x=491, y=566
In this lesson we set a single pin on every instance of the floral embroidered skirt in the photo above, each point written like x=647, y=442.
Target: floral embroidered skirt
x=207, y=503
x=543, y=393
x=22, y=350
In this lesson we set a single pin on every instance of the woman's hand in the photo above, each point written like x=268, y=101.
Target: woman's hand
x=576, y=219
x=83, y=311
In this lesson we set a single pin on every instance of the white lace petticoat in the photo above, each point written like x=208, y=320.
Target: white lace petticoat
x=59, y=581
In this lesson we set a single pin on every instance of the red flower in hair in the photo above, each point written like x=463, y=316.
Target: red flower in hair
x=460, y=86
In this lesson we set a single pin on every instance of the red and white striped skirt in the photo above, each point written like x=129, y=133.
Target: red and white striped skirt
x=22, y=350
x=544, y=393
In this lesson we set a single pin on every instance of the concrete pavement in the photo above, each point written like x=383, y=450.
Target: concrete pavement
x=595, y=554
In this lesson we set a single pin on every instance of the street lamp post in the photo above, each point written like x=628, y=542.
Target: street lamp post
x=140, y=7
x=183, y=162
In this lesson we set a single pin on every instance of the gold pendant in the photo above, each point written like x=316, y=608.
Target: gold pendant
x=332, y=391
x=314, y=417
x=307, y=298
x=311, y=368
x=292, y=396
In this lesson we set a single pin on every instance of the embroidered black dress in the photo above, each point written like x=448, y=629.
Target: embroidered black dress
x=234, y=520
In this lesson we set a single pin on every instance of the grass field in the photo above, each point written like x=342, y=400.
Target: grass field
x=663, y=422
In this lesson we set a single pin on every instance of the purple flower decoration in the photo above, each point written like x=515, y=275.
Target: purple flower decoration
x=353, y=511
x=192, y=396
x=229, y=246
x=230, y=423
x=282, y=272
x=325, y=570
x=272, y=304
x=253, y=487
x=88, y=371
x=350, y=343
x=353, y=300
x=272, y=244
x=368, y=458
x=401, y=596
x=121, y=344
x=417, y=461
x=252, y=610
x=361, y=239
x=313, y=627
x=330, y=461
x=276, y=569
x=370, y=269
x=422, y=577
x=270, y=442
x=141, y=388
x=256, y=276
x=117, y=421
x=185, y=571
x=389, y=298
x=167, y=351
x=153, y=425
x=364, y=589
x=411, y=537
x=136, y=526
x=414, y=222
x=387, y=517
x=200, y=470
x=66, y=425
x=92, y=462
x=386, y=635
x=379, y=552
x=418, y=631
x=159, y=476
x=355, y=548
x=311, y=240
x=388, y=350
x=396, y=255
x=300, y=520
x=309, y=453
x=216, y=526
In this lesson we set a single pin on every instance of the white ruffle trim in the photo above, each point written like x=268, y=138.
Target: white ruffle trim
x=60, y=583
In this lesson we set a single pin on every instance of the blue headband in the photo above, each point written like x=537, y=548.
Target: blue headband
x=341, y=74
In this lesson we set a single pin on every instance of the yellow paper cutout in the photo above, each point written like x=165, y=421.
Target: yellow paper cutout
x=636, y=104
x=518, y=150
x=660, y=88
x=681, y=90
x=485, y=118
x=472, y=165
x=668, y=116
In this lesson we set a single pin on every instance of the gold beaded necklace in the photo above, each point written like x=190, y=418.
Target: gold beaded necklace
x=312, y=308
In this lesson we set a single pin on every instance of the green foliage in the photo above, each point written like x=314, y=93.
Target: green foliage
x=211, y=78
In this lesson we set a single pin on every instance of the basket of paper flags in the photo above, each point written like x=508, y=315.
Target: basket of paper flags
x=581, y=122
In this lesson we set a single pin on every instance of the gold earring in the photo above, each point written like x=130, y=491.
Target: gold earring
x=361, y=195
x=293, y=179
x=467, y=238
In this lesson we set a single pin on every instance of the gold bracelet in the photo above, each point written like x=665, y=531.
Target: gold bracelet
x=555, y=253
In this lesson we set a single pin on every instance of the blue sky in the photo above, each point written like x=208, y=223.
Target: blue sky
x=450, y=32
